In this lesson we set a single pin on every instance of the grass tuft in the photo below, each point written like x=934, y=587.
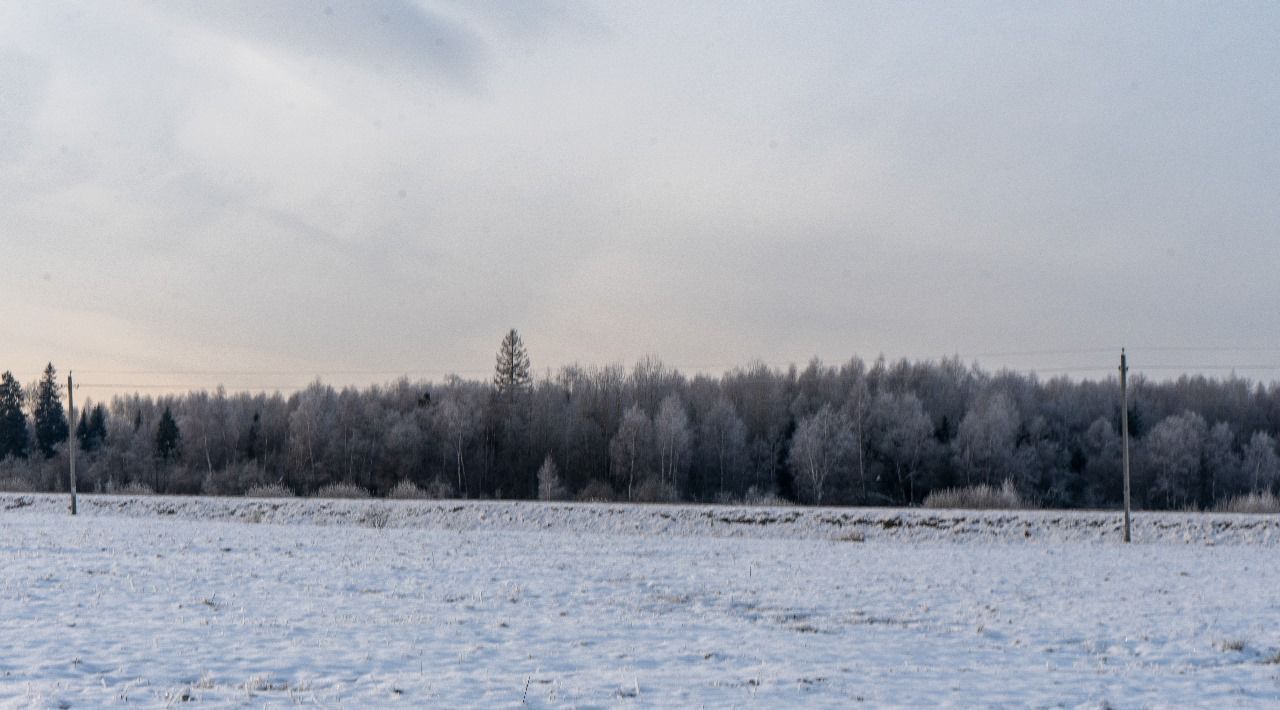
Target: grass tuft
x=980, y=497
x=1255, y=503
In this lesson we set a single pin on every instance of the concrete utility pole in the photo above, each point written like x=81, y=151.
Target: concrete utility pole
x=71, y=405
x=1124, y=434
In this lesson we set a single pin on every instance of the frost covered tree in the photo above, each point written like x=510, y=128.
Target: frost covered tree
x=13, y=423
x=457, y=418
x=1172, y=450
x=671, y=436
x=630, y=448
x=901, y=432
x=723, y=438
x=821, y=450
x=50, y=419
x=858, y=409
x=1219, y=465
x=1101, y=449
x=921, y=425
x=1261, y=465
x=511, y=372
x=550, y=487
x=311, y=427
x=986, y=441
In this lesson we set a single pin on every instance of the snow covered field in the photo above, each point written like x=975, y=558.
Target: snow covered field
x=371, y=604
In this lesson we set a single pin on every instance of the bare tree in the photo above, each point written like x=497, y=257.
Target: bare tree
x=1172, y=450
x=549, y=485
x=823, y=448
x=901, y=433
x=457, y=418
x=671, y=434
x=1261, y=464
x=724, y=441
x=986, y=442
x=630, y=447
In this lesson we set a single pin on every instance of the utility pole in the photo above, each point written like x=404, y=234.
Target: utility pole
x=1124, y=434
x=71, y=405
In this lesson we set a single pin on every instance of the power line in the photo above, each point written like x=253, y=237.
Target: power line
x=127, y=385
x=265, y=373
x=1041, y=353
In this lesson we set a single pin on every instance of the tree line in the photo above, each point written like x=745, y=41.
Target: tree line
x=853, y=433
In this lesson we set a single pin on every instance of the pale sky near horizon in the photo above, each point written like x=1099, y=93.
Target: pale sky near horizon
x=295, y=188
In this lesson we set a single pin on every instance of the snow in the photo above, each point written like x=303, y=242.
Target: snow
x=150, y=601
x=873, y=524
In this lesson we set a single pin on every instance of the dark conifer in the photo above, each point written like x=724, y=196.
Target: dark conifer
x=51, y=420
x=13, y=423
x=511, y=373
x=168, y=438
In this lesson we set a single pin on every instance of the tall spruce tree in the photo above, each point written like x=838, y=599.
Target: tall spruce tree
x=511, y=373
x=13, y=423
x=167, y=437
x=51, y=420
x=253, y=439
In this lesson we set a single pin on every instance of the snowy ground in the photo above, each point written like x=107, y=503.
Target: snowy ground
x=152, y=603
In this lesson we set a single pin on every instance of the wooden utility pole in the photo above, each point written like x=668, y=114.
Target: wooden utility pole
x=71, y=405
x=1124, y=435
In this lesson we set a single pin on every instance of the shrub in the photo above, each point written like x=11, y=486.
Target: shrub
x=406, y=490
x=980, y=497
x=758, y=497
x=440, y=488
x=1264, y=502
x=234, y=479
x=597, y=491
x=340, y=490
x=652, y=491
x=269, y=490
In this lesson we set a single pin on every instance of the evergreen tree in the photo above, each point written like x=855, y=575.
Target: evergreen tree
x=82, y=430
x=167, y=437
x=91, y=431
x=13, y=423
x=51, y=420
x=511, y=374
x=251, y=444
x=98, y=426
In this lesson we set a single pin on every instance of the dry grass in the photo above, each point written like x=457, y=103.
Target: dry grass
x=13, y=484
x=981, y=497
x=1257, y=503
x=406, y=490
x=1232, y=645
x=270, y=490
x=340, y=490
x=130, y=489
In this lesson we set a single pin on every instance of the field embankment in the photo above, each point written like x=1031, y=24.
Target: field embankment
x=855, y=524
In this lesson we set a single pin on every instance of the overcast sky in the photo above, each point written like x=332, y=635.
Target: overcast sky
x=306, y=188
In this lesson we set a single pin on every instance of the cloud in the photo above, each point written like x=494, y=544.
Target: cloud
x=387, y=36
x=401, y=181
x=23, y=85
